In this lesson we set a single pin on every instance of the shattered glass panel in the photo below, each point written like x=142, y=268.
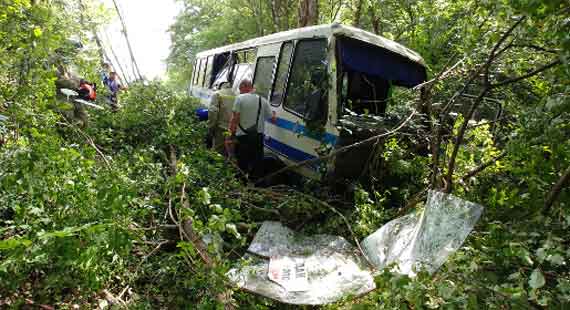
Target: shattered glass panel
x=274, y=239
x=333, y=266
x=423, y=240
x=335, y=269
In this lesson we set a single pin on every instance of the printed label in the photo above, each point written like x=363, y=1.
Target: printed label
x=289, y=272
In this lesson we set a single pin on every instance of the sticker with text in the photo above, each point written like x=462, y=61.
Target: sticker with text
x=289, y=272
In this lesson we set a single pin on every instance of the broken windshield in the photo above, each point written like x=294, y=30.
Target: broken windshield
x=370, y=74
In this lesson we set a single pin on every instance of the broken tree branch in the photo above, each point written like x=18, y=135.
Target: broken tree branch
x=435, y=127
x=526, y=76
x=442, y=74
x=459, y=140
x=273, y=211
x=562, y=182
x=469, y=115
x=114, y=300
x=484, y=67
x=192, y=236
x=538, y=48
x=412, y=202
x=448, y=179
x=89, y=141
x=151, y=253
x=483, y=166
x=187, y=230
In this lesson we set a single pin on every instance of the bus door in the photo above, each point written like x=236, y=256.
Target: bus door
x=299, y=96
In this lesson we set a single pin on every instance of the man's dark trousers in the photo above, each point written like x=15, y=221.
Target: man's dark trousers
x=249, y=153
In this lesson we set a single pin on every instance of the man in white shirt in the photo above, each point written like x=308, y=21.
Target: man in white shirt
x=248, y=124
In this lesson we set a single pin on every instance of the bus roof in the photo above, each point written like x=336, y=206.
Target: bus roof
x=326, y=30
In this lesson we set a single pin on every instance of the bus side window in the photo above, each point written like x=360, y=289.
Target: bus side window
x=307, y=82
x=263, y=75
x=241, y=72
x=200, y=72
x=243, y=67
x=204, y=62
x=281, y=75
x=208, y=71
x=196, y=72
x=193, y=78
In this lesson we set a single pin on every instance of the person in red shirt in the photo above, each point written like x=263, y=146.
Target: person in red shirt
x=87, y=91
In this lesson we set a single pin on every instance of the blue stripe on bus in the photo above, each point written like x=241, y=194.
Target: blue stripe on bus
x=327, y=138
x=289, y=151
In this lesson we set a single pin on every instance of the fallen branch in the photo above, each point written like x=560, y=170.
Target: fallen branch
x=41, y=306
x=556, y=190
x=469, y=115
x=273, y=211
x=157, y=227
x=435, y=127
x=114, y=300
x=123, y=292
x=526, y=76
x=412, y=202
x=483, y=166
x=484, y=67
x=442, y=74
x=89, y=141
x=495, y=52
x=192, y=236
x=160, y=244
x=187, y=231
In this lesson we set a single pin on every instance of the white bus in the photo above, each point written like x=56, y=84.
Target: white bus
x=313, y=77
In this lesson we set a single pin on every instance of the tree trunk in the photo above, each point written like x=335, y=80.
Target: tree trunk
x=357, y=13
x=276, y=14
x=308, y=12
x=374, y=19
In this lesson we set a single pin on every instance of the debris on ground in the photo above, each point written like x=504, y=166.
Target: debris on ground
x=301, y=269
x=320, y=269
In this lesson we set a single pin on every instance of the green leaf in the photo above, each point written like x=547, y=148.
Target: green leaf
x=541, y=254
x=556, y=259
x=204, y=196
x=536, y=280
x=13, y=243
x=38, y=32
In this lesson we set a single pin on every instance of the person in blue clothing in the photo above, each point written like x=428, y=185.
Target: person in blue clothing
x=111, y=81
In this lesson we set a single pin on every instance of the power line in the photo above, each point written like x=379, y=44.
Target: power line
x=104, y=57
x=136, y=70
x=123, y=72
